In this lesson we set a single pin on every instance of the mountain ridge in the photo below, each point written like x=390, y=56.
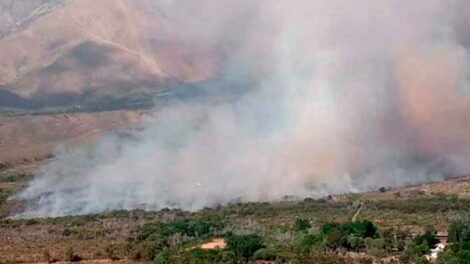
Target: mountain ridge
x=98, y=48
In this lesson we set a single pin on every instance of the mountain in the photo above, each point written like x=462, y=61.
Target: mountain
x=62, y=53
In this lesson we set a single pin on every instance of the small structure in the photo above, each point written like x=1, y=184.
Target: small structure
x=435, y=251
x=442, y=236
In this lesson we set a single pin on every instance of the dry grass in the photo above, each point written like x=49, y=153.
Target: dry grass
x=27, y=141
x=28, y=241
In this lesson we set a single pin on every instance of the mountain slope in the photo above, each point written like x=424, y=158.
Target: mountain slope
x=107, y=48
x=15, y=15
x=29, y=138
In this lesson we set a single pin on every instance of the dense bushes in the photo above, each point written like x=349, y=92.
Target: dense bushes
x=458, y=249
x=166, y=243
x=153, y=238
x=360, y=228
x=348, y=235
x=307, y=242
x=420, y=246
x=301, y=225
x=429, y=238
x=265, y=254
x=201, y=256
x=244, y=246
x=459, y=233
x=188, y=227
x=193, y=227
x=156, y=241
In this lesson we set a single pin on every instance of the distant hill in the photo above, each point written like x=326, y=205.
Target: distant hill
x=29, y=138
x=65, y=53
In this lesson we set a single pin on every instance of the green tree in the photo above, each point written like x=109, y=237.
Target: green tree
x=414, y=251
x=362, y=228
x=447, y=258
x=464, y=257
x=459, y=233
x=428, y=237
x=244, y=246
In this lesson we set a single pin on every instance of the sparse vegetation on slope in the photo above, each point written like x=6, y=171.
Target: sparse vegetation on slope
x=388, y=227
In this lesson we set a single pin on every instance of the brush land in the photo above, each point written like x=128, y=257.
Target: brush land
x=398, y=225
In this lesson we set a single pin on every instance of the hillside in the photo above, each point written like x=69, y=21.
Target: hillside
x=28, y=138
x=132, y=236
x=86, y=52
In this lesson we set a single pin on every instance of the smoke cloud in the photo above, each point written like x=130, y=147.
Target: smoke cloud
x=312, y=97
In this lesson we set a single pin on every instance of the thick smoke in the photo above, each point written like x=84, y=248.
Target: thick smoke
x=312, y=97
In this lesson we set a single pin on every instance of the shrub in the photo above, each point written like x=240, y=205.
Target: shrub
x=422, y=260
x=112, y=252
x=244, y=246
x=71, y=256
x=307, y=242
x=162, y=258
x=309, y=200
x=459, y=232
x=301, y=225
x=265, y=254
x=395, y=240
x=229, y=257
x=414, y=251
x=149, y=230
x=147, y=250
x=201, y=256
x=153, y=238
x=334, y=239
x=321, y=256
x=355, y=242
x=447, y=258
x=428, y=237
x=193, y=227
x=464, y=256
x=328, y=227
x=361, y=229
x=375, y=246
x=348, y=235
x=458, y=250
x=4, y=194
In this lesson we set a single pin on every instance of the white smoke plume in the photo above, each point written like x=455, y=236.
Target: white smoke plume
x=336, y=96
